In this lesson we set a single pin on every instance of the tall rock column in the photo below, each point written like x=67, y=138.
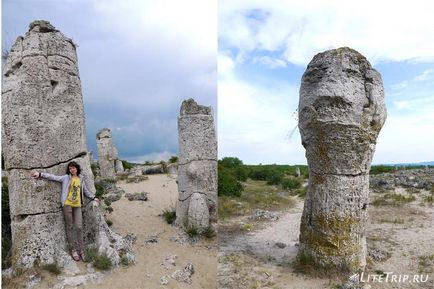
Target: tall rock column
x=108, y=161
x=44, y=129
x=341, y=112
x=197, y=168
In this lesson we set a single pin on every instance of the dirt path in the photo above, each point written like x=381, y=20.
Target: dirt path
x=262, y=258
x=142, y=218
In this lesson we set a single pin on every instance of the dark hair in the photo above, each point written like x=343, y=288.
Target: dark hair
x=75, y=165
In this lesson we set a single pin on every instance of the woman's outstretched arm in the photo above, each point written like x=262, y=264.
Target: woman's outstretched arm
x=50, y=177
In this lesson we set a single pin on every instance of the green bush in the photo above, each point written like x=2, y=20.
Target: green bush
x=94, y=167
x=109, y=222
x=191, y=231
x=173, y=159
x=125, y=261
x=231, y=162
x=127, y=165
x=103, y=262
x=209, y=232
x=91, y=253
x=375, y=170
x=227, y=183
x=291, y=183
x=274, y=177
x=169, y=215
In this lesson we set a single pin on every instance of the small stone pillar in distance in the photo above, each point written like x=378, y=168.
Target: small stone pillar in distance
x=108, y=161
x=341, y=112
x=197, y=169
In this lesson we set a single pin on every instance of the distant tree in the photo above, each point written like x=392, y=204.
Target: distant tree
x=227, y=183
x=231, y=162
x=173, y=159
x=274, y=177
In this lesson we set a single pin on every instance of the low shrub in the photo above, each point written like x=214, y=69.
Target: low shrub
x=109, y=222
x=169, y=215
x=209, y=232
x=291, y=183
x=228, y=184
x=191, y=231
x=103, y=262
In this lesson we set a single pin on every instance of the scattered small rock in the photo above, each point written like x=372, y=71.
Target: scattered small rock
x=33, y=281
x=143, y=196
x=130, y=238
x=114, y=196
x=164, y=280
x=184, y=275
x=264, y=214
x=153, y=238
x=78, y=280
x=169, y=261
x=378, y=255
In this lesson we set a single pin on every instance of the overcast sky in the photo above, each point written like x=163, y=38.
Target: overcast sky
x=137, y=59
x=265, y=46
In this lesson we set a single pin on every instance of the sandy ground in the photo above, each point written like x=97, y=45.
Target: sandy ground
x=142, y=218
x=251, y=259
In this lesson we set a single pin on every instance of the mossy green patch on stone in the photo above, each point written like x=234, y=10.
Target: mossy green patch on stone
x=331, y=242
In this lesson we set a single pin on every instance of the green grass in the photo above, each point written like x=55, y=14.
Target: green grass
x=53, y=268
x=125, y=261
x=191, y=231
x=91, y=254
x=394, y=221
x=392, y=199
x=426, y=264
x=101, y=262
x=209, y=232
x=428, y=199
x=169, y=215
x=256, y=195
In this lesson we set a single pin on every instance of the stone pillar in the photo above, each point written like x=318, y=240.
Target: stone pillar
x=197, y=168
x=108, y=161
x=341, y=112
x=44, y=129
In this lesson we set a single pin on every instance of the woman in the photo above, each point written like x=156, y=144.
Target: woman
x=71, y=197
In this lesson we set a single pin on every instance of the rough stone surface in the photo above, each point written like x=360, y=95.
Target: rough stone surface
x=153, y=169
x=197, y=167
x=341, y=112
x=119, y=167
x=198, y=213
x=185, y=274
x=43, y=129
x=107, y=155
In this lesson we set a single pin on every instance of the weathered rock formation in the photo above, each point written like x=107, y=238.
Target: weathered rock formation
x=197, y=168
x=109, y=163
x=44, y=129
x=341, y=112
